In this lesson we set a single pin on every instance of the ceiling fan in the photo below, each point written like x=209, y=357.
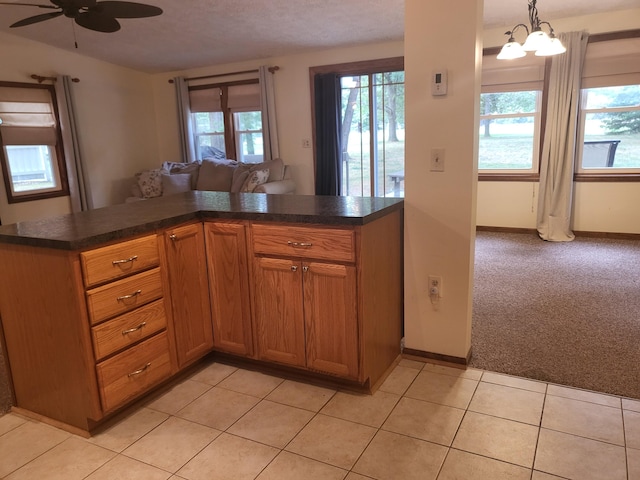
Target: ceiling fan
x=92, y=14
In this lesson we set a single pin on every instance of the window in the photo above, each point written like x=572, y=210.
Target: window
x=610, y=110
x=510, y=117
x=509, y=126
x=227, y=121
x=373, y=134
x=31, y=155
x=610, y=126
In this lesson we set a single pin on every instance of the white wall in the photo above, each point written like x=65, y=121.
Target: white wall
x=293, y=102
x=440, y=207
x=116, y=121
x=598, y=207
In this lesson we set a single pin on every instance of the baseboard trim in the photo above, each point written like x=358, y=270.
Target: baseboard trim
x=438, y=356
x=482, y=228
x=577, y=233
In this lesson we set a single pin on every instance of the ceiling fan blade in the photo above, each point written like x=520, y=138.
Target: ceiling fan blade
x=36, y=19
x=127, y=9
x=98, y=22
x=29, y=5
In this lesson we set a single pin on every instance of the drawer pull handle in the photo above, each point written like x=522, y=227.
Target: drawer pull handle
x=173, y=237
x=299, y=244
x=134, y=329
x=127, y=297
x=139, y=371
x=126, y=260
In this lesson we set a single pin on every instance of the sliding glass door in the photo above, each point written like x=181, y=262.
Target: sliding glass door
x=373, y=134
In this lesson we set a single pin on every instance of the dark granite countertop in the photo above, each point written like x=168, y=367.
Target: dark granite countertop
x=88, y=229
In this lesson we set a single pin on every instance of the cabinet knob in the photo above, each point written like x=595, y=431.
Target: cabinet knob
x=173, y=237
x=305, y=268
x=294, y=268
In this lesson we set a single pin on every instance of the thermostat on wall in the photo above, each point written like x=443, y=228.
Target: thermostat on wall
x=439, y=82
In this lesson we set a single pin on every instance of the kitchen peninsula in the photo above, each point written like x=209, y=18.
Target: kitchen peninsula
x=99, y=308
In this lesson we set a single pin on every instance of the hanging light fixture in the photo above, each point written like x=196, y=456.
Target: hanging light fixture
x=537, y=41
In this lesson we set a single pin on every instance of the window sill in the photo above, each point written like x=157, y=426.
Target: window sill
x=508, y=177
x=606, y=177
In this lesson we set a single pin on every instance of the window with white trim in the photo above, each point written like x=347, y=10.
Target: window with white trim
x=510, y=106
x=610, y=109
x=31, y=156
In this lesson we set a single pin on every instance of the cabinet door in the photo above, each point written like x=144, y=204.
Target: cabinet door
x=331, y=324
x=188, y=284
x=278, y=310
x=229, y=287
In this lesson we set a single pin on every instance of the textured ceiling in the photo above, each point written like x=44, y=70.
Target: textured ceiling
x=196, y=33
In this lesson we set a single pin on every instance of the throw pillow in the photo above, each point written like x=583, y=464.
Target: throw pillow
x=150, y=182
x=178, y=183
x=275, y=167
x=216, y=175
x=179, y=167
x=255, y=178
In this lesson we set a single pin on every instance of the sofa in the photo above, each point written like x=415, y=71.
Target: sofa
x=213, y=174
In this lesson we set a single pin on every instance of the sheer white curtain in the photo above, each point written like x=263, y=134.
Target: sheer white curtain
x=559, y=146
x=187, y=149
x=79, y=186
x=269, y=124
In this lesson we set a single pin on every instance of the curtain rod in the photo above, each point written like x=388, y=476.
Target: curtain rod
x=271, y=69
x=41, y=79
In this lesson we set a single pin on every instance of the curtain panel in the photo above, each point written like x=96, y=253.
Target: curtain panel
x=79, y=185
x=271, y=148
x=187, y=149
x=327, y=117
x=555, y=198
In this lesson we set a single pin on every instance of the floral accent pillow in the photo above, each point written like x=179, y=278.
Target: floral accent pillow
x=150, y=182
x=255, y=178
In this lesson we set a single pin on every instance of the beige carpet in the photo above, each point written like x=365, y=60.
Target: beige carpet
x=566, y=313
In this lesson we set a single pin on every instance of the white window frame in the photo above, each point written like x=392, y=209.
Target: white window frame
x=535, y=159
x=238, y=133
x=584, y=111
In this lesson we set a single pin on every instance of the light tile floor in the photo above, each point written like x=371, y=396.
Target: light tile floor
x=425, y=422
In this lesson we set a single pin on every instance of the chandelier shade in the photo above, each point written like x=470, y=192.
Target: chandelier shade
x=538, y=41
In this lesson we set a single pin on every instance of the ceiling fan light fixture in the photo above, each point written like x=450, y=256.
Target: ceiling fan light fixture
x=96, y=15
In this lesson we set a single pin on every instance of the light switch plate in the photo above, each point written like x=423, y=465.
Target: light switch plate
x=437, y=159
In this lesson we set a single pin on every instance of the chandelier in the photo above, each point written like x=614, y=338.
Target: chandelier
x=537, y=41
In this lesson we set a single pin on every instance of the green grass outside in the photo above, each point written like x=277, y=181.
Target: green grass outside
x=496, y=152
x=393, y=157
x=514, y=152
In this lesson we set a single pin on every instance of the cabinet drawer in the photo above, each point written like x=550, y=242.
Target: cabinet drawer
x=133, y=371
x=124, y=295
x=116, y=261
x=127, y=329
x=304, y=242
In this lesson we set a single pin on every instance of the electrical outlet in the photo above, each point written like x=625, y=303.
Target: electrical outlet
x=435, y=286
x=306, y=143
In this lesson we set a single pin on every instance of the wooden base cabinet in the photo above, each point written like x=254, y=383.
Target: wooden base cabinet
x=227, y=261
x=329, y=299
x=331, y=318
x=279, y=311
x=306, y=315
x=189, y=291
